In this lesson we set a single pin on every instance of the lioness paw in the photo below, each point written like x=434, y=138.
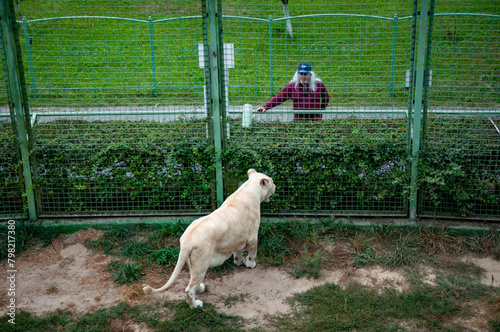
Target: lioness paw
x=201, y=288
x=147, y=290
x=250, y=264
x=198, y=304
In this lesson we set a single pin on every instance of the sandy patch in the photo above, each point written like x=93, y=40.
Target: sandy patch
x=491, y=269
x=66, y=275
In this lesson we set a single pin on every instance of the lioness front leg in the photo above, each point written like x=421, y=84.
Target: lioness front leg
x=252, y=254
x=238, y=258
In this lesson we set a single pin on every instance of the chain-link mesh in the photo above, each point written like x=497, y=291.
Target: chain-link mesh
x=459, y=171
x=121, y=103
x=11, y=202
x=353, y=159
x=117, y=101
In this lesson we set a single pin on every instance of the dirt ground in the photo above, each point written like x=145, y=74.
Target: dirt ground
x=66, y=275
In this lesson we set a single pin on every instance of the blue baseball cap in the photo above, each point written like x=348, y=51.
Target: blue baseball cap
x=304, y=68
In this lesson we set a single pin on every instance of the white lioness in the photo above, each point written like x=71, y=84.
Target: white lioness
x=232, y=228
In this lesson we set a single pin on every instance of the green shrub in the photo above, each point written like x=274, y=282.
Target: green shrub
x=458, y=168
x=342, y=164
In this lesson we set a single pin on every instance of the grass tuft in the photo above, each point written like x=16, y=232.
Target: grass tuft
x=230, y=299
x=405, y=252
x=125, y=273
x=107, y=246
x=309, y=266
x=51, y=289
x=118, y=234
x=459, y=287
x=272, y=245
x=200, y=319
x=166, y=256
x=136, y=249
x=493, y=309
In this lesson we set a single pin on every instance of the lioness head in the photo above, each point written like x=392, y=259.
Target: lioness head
x=266, y=183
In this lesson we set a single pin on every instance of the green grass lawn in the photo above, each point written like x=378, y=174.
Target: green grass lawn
x=447, y=304
x=124, y=60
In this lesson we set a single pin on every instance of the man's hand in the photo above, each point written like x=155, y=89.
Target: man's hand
x=261, y=109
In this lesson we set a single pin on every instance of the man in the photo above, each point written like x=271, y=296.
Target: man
x=307, y=92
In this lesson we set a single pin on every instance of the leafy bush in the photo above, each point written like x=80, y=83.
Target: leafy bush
x=344, y=165
x=458, y=169
x=11, y=185
x=150, y=166
x=123, y=166
x=332, y=165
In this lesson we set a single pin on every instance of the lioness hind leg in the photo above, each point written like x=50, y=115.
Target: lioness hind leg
x=199, y=261
x=195, y=285
x=191, y=300
x=201, y=288
x=191, y=290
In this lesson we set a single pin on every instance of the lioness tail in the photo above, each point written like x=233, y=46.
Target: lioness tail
x=183, y=255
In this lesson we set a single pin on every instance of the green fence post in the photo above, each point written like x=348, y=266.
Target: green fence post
x=30, y=56
x=153, y=66
x=224, y=111
x=417, y=114
x=215, y=100
x=8, y=19
x=427, y=72
x=393, y=65
x=409, y=115
x=271, y=53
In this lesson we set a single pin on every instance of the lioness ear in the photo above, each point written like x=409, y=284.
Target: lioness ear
x=251, y=171
x=264, y=182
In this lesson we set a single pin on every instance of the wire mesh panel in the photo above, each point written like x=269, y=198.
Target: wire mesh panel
x=151, y=106
x=11, y=185
x=347, y=157
x=117, y=103
x=12, y=203
x=459, y=170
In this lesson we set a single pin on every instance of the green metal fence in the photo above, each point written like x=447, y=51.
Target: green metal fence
x=84, y=50
x=459, y=172
x=332, y=166
x=12, y=187
x=110, y=58
x=147, y=108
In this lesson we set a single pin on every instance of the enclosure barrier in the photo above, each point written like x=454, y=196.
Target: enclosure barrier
x=97, y=48
x=105, y=128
